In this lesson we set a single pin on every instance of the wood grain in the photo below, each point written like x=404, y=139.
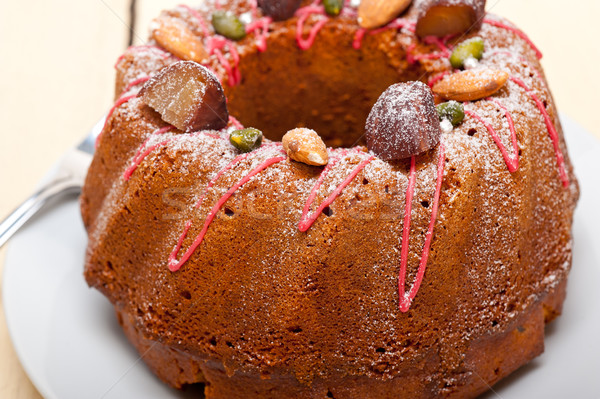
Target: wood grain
x=57, y=77
x=56, y=80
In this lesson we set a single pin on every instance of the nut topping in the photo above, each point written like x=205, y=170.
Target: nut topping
x=403, y=122
x=174, y=36
x=188, y=96
x=471, y=85
x=449, y=17
x=306, y=146
x=246, y=140
x=376, y=13
x=279, y=10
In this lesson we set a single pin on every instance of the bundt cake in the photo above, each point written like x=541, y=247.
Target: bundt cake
x=295, y=199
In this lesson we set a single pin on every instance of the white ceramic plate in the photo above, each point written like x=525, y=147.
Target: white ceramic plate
x=70, y=344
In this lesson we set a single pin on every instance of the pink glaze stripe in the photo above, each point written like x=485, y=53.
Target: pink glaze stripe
x=306, y=224
x=261, y=26
x=216, y=43
x=410, y=189
x=513, y=132
x=397, y=24
x=214, y=46
x=140, y=157
x=175, y=265
x=316, y=187
x=165, y=54
x=436, y=78
x=136, y=82
x=118, y=103
x=440, y=43
x=551, y=130
x=303, y=14
x=142, y=154
x=407, y=298
x=230, y=165
x=522, y=59
x=157, y=132
x=198, y=18
x=512, y=161
x=237, y=124
x=516, y=31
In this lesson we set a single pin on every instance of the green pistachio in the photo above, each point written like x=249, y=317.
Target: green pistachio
x=333, y=7
x=470, y=48
x=247, y=139
x=227, y=24
x=453, y=111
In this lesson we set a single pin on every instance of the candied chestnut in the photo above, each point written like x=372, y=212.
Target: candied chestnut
x=449, y=17
x=188, y=96
x=403, y=122
x=279, y=10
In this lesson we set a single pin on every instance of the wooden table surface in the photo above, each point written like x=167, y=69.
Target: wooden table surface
x=56, y=80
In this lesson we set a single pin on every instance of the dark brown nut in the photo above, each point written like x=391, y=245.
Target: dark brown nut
x=403, y=122
x=279, y=10
x=188, y=96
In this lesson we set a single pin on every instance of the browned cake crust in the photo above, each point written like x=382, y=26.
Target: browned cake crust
x=262, y=309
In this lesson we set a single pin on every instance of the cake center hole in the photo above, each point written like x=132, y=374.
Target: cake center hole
x=329, y=88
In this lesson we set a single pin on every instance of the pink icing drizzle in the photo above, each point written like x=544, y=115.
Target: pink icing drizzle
x=551, y=130
x=261, y=26
x=516, y=31
x=214, y=45
x=235, y=122
x=141, y=154
x=198, y=18
x=118, y=103
x=436, y=78
x=512, y=161
x=230, y=165
x=136, y=82
x=307, y=221
x=522, y=59
x=441, y=45
x=315, y=188
x=303, y=14
x=164, y=54
x=398, y=23
x=406, y=298
x=175, y=265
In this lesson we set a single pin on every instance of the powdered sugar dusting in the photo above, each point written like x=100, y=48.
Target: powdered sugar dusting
x=403, y=122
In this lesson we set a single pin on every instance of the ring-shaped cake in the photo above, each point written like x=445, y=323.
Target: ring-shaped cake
x=260, y=276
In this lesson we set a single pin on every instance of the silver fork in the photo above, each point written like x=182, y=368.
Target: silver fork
x=68, y=179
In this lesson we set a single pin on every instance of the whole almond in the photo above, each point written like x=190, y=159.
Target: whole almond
x=376, y=13
x=306, y=146
x=174, y=36
x=470, y=85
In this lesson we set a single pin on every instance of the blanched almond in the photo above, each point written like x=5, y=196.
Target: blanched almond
x=306, y=146
x=471, y=85
x=376, y=13
x=174, y=36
